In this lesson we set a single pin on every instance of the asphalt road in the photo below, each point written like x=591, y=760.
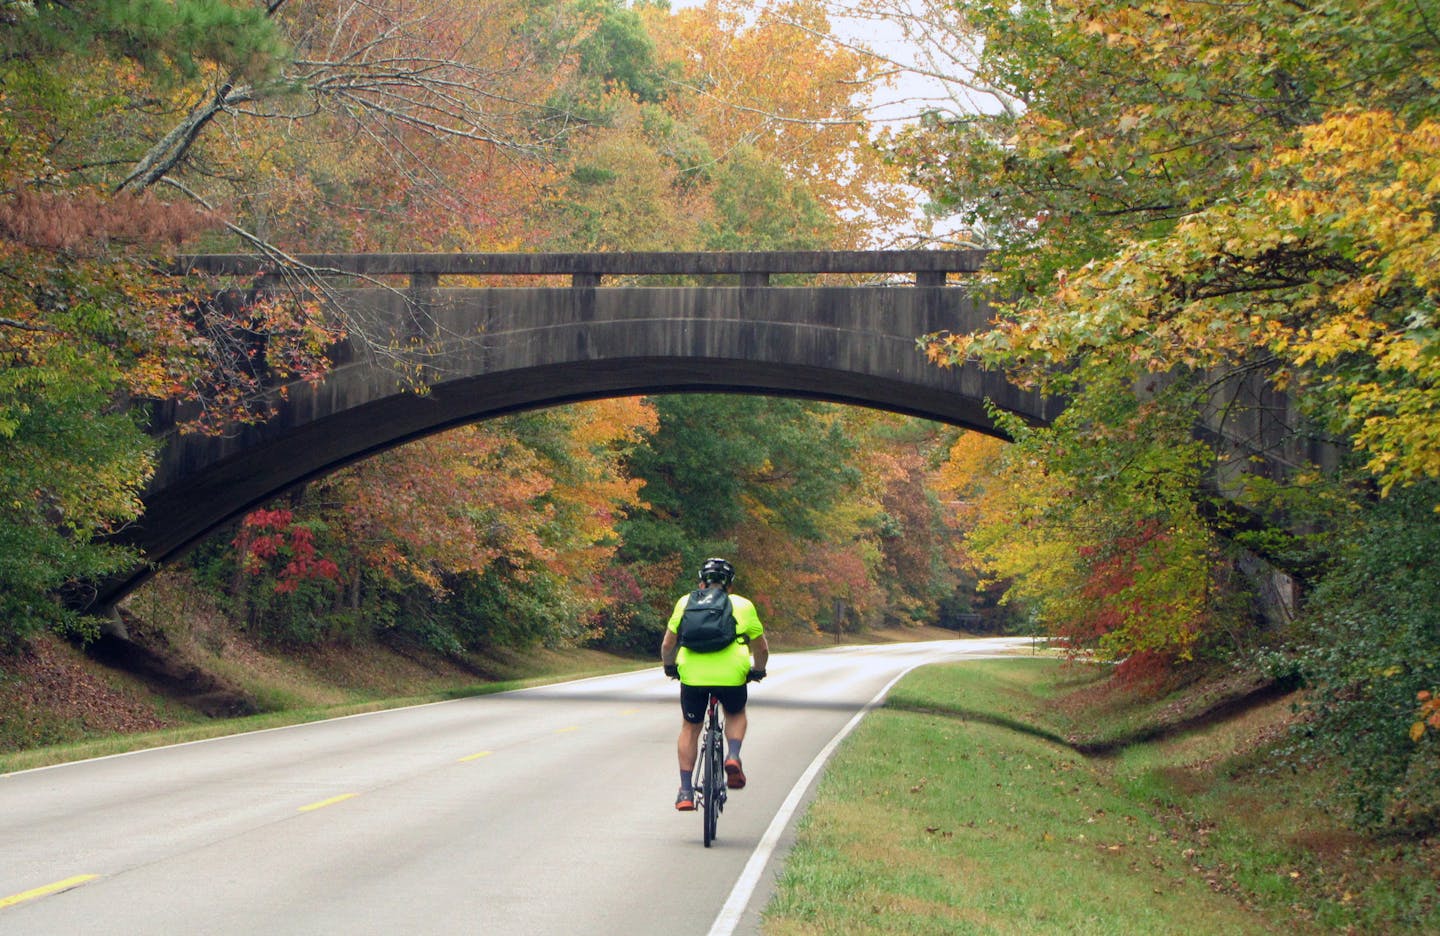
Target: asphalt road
x=543, y=811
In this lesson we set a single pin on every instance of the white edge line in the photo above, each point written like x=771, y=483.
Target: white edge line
x=307, y=724
x=730, y=914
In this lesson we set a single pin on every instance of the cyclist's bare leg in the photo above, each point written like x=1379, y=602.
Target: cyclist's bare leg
x=735, y=726
x=688, y=744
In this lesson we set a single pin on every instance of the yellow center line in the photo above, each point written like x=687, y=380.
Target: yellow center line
x=470, y=757
x=568, y=728
x=55, y=888
x=630, y=711
x=328, y=802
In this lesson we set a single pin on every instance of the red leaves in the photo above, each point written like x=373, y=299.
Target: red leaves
x=270, y=535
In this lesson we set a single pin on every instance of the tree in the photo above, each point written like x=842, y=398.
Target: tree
x=1218, y=218
x=753, y=478
x=85, y=324
x=1184, y=202
x=756, y=207
x=419, y=542
x=391, y=69
x=769, y=80
x=624, y=192
x=1191, y=198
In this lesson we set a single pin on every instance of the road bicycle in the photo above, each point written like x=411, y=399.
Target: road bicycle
x=710, y=780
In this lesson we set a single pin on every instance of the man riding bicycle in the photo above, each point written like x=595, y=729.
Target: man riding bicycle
x=723, y=673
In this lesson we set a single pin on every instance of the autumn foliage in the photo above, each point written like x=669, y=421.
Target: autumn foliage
x=1197, y=207
x=1427, y=714
x=271, y=540
x=132, y=133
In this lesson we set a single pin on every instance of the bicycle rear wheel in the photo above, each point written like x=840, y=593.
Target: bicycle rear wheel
x=712, y=754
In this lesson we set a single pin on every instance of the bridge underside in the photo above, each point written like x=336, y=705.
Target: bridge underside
x=487, y=352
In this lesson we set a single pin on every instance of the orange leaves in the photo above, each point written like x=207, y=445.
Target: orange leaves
x=618, y=420
x=1427, y=715
x=440, y=506
x=538, y=492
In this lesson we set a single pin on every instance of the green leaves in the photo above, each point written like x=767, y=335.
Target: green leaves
x=67, y=473
x=170, y=39
x=716, y=458
x=758, y=208
x=1368, y=649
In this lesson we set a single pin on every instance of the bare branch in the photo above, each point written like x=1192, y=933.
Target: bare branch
x=304, y=278
x=771, y=115
x=373, y=63
x=948, y=65
x=24, y=326
x=165, y=155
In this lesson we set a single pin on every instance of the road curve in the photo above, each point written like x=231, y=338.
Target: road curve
x=542, y=811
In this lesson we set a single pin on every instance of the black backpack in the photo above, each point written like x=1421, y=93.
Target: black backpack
x=707, y=624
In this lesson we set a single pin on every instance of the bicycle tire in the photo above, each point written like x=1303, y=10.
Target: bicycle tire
x=714, y=771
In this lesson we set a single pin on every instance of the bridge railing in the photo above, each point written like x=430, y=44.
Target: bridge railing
x=929, y=267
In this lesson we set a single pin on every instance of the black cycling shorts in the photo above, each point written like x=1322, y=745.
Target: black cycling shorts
x=693, y=699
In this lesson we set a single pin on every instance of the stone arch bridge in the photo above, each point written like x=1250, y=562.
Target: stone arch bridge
x=591, y=326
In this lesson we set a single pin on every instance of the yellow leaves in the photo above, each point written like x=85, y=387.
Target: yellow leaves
x=1371, y=178
x=1399, y=428
x=1342, y=334
x=973, y=459
x=761, y=82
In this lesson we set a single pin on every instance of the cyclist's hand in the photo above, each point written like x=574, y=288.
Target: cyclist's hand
x=672, y=670
x=755, y=675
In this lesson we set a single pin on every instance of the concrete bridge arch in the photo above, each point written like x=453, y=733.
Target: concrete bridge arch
x=487, y=351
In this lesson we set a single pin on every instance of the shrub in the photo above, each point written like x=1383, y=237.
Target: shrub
x=1370, y=645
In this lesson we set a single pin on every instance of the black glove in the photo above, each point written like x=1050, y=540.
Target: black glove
x=672, y=670
x=755, y=675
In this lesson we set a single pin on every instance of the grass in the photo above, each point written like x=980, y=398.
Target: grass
x=956, y=809
x=1273, y=833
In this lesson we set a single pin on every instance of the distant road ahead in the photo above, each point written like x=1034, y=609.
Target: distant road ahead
x=543, y=811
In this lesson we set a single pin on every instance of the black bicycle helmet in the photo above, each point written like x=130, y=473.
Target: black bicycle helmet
x=717, y=570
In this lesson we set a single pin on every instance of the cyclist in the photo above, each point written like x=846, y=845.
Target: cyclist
x=723, y=673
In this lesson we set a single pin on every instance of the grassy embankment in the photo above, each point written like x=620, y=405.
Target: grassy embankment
x=964, y=806
x=58, y=705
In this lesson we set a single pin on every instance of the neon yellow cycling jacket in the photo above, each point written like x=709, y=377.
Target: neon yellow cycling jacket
x=728, y=667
